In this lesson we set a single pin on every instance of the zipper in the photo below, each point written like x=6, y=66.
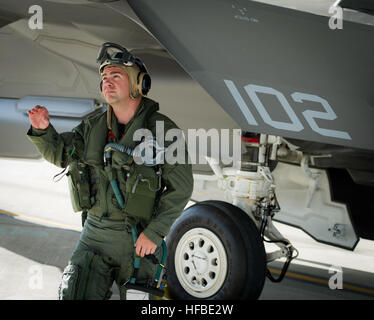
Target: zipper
x=139, y=176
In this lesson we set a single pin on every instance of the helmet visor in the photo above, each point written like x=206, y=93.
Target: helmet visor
x=121, y=57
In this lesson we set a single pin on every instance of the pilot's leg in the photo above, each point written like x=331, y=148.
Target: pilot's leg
x=87, y=277
x=90, y=272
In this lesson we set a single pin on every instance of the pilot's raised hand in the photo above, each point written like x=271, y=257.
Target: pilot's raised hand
x=39, y=117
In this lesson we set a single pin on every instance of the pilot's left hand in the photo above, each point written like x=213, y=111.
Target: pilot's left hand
x=144, y=246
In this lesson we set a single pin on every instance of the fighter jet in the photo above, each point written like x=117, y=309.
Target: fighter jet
x=291, y=80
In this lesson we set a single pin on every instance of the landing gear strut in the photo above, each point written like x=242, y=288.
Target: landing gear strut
x=217, y=248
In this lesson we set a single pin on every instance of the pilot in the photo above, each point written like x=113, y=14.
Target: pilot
x=119, y=227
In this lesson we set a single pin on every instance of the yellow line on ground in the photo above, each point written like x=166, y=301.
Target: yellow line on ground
x=322, y=281
x=354, y=288
x=57, y=224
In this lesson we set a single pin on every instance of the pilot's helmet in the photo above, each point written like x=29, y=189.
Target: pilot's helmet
x=140, y=81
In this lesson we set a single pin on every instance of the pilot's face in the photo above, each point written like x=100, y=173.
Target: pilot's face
x=116, y=85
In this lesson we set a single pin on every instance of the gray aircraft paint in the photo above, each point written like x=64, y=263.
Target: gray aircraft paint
x=279, y=48
x=295, y=124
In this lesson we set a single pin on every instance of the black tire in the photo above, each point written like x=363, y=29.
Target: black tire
x=237, y=234
x=254, y=248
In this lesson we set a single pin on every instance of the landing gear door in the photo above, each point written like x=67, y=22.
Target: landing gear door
x=305, y=200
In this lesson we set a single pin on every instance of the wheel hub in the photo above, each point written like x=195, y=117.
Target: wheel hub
x=201, y=262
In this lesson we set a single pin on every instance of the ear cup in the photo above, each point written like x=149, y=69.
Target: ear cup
x=144, y=83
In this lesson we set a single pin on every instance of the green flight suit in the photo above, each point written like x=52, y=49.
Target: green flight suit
x=154, y=197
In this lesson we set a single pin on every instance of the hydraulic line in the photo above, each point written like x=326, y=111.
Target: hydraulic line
x=289, y=248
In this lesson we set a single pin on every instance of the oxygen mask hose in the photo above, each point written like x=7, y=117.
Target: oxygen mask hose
x=109, y=170
x=148, y=152
x=118, y=147
x=113, y=182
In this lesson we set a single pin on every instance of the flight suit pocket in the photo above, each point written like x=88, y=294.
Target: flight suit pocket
x=79, y=186
x=69, y=284
x=142, y=185
x=100, y=280
x=87, y=277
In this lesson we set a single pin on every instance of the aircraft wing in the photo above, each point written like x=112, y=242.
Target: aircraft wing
x=274, y=69
x=295, y=76
x=282, y=68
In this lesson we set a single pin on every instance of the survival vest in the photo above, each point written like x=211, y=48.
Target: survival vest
x=140, y=186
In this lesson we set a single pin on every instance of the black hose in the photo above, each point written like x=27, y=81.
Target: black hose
x=289, y=258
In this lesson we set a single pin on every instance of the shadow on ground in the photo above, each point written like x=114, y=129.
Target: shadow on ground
x=54, y=246
x=46, y=245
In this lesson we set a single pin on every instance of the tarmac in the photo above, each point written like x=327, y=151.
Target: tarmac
x=39, y=231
